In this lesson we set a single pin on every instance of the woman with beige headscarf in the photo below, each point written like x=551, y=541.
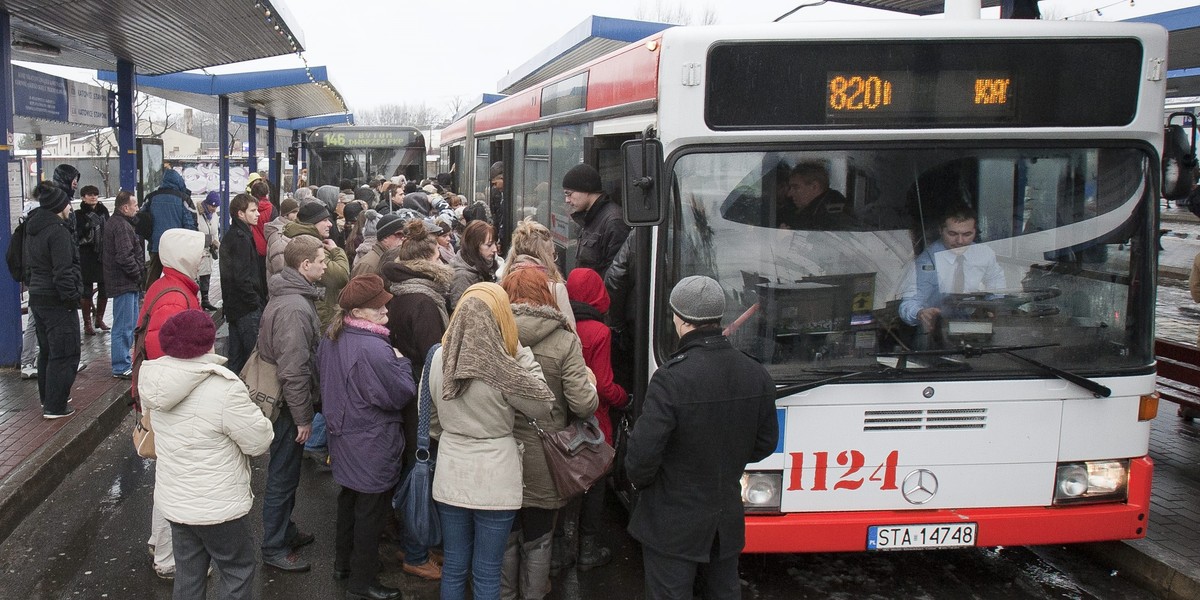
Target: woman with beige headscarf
x=478, y=379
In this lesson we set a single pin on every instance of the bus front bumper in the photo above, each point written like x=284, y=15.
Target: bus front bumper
x=1022, y=526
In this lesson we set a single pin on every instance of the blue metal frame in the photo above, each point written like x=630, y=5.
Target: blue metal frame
x=251, y=140
x=10, y=290
x=126, y=126
x=223, y=151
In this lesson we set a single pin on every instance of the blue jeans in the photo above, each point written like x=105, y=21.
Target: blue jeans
x=125, y=314
x=243, y=335
x=283, y=477
x=473, y=541
x=319, y=439
x=58, y=355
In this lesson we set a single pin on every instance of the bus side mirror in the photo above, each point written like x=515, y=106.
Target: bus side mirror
x=642, y=185
x=1179, y=158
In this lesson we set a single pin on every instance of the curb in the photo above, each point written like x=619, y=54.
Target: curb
x=38, y=476
x=1144, y=563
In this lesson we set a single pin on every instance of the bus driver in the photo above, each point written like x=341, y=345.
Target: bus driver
x=953, y=264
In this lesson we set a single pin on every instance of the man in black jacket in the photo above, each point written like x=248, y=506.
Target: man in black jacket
x=708, y=412
x=602, y=229
x=243, y=281
x=123, y=257
x=55, y=286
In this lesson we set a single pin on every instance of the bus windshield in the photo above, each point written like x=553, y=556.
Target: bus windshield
x=872, y=261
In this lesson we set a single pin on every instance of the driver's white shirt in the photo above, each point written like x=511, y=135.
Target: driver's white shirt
x=932, y=275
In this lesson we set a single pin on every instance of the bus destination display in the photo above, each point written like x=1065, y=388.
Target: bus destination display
x=857, y=96
x=879, y=84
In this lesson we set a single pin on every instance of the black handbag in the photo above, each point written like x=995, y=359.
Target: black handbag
x=413, y=500
x=577, y=456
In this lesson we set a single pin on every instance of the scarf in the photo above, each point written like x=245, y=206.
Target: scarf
x=365, y=325
x=481, y=343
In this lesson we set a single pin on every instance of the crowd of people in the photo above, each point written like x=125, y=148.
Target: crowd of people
x=352, y=297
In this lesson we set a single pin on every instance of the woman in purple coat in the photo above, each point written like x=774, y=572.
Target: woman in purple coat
x=364, y=386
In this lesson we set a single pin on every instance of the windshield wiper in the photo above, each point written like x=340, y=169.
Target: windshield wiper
x=969, y=351
x=883, y=370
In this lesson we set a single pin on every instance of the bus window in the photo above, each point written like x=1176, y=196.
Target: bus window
x=1045, y=259
x=566, y=152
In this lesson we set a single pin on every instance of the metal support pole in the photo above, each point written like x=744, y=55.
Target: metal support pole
x=126, y=126
x=296, y=165
x=223, y=151
x=38, y=143
x=273, y=171
x=251, y=141
x=10, y=291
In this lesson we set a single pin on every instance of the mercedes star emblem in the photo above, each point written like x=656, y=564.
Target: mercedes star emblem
x=920, y=486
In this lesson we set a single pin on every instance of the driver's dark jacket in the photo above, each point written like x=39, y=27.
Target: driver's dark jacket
x=708, y=412
x=602, y=232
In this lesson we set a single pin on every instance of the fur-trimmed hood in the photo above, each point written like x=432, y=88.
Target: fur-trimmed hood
x=535, y=323
x=402, y=271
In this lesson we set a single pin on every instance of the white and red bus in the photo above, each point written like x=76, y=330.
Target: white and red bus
x=1022, y=416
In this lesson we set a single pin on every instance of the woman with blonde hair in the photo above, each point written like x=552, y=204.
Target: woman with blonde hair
x=479, y=378
x=532, y=247
x=558, y=350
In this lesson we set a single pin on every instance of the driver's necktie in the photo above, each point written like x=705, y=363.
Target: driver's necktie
x=959, y=285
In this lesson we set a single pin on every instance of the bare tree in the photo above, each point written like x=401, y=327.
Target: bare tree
x=456, y=103
x=101, y=144
x=415, y=115
x=151, y=115
x=676, y=13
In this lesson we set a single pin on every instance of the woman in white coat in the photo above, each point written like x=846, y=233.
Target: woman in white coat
x=209, y=224
x=205, y=431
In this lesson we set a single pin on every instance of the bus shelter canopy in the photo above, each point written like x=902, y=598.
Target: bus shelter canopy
x=157, y=37
x=280, y=93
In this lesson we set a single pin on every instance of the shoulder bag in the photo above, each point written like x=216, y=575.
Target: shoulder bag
x=577, y=456
x=262, y=380
x=414, y=498
x=143, y=434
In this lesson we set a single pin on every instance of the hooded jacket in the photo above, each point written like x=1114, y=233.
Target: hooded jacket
x=589, y=300
x=465, y=276
x=205, y=430
x=417, y=312
x=329, y=195
x=276, y=243
x=123, y=257
x=52, y=261
x=337, y=270
x=265, y=210
x=364, y=387
x=180, y=255
x=171, y=206
x=288, y=336
x=556, y=348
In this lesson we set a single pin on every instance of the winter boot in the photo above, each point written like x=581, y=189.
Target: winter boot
x=535, y=567
x=592, y=554
x=85, y=306
x=510, y=568
x=101, y=307
x=562, y=554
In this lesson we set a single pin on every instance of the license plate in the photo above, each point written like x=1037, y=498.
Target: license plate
x=904, y=537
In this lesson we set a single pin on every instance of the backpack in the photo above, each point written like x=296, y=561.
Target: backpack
x=15, y=257
x=143, y=222
x=139, y=342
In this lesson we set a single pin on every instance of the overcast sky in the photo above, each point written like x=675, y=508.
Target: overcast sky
x=401, y=51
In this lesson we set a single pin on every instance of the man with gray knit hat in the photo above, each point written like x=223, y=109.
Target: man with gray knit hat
x=708, y=412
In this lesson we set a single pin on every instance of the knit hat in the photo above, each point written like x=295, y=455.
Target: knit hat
x=697, y=299
x=50, y=197
x=288, y=206
x=187, y=334
x=496, y=170
x=313, y=213
x=364, y=291
x=351, y=211
x=213, y=199
x=388, y=224
x=582, y=178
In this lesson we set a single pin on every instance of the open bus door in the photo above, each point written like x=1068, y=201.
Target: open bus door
x=501, y=151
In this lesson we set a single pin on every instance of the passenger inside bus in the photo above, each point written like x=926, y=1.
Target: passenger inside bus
x=810, y=203
x=953, y=264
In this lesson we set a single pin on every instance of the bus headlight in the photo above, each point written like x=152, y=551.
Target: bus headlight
x=1094, y=481
x=761, y=491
